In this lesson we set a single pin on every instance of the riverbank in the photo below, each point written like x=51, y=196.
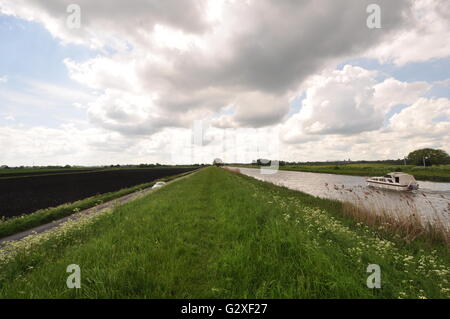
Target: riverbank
x=217, y=234
x=438, y=173
x=423, y=212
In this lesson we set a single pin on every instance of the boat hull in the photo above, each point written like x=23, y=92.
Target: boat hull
x=392, y=186
x=386, y=186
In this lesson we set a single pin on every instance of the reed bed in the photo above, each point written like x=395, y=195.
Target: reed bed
x=408, y=227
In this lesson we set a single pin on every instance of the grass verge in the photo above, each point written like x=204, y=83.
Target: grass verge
x=24, y=222
x=221, y=235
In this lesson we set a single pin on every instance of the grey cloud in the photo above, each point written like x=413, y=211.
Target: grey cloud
x=256, y=109
x=275, y=47
x=144, y=127
x=283, y=42
x=131, y=15
x=208, y=98
x=266, y=46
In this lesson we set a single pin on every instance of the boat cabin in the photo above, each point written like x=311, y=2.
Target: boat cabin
x=400, y=178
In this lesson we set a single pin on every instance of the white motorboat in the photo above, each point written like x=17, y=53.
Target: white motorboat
x=395, y=181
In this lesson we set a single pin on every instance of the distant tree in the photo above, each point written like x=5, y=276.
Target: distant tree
x=428, y=156
x=67, y=166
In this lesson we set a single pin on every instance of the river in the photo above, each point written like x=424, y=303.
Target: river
x=431, y=203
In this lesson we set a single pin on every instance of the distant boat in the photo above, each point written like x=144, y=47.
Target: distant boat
x=395, y=181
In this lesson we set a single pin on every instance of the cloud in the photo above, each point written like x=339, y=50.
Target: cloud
x=443, y=83
x=111, y=23
x=3, y=79
x=391, y=92
x=128, y=114
x=423, y=124
x=254, y=109
x=163, y=65
x=31, y=92
x=69, y=144
x=425, y=118
x=56, y=93
x=272, y=46
x=347, y=102
x=426, y=36
x=183, y=57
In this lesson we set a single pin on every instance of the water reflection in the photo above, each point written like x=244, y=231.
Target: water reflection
x=431, y=202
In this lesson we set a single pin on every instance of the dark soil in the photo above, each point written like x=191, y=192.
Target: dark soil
x=26, y=174
x=23, y=195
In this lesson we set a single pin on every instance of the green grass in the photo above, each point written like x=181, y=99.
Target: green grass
x=216, y=234
x=437, y=173
x=24, y=222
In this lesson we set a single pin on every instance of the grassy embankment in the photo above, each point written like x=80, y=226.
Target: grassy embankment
x=217, y=234
x=24, y=222
x=437, y=173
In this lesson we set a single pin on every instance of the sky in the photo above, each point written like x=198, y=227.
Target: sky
x=179, y=82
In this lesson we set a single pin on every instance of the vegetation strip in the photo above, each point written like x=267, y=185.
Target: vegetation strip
x=221, y=235
x=22, y=223
x=56, y=223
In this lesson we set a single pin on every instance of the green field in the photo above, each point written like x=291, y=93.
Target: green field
x=437, y=173
x=216, y=234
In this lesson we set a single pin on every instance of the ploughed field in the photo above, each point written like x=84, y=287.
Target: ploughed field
x=32, y=172
x=22, y=195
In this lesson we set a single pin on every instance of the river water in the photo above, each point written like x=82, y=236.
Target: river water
x=431, y=203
